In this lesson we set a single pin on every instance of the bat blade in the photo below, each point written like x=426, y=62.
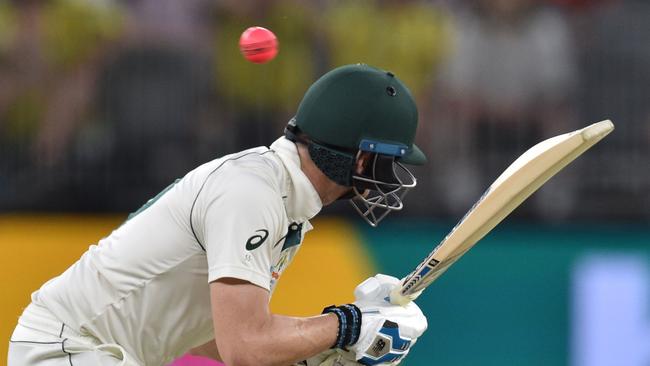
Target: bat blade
x=521, y=179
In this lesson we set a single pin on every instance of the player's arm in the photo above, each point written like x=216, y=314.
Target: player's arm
x=239, y=218
x=248, y=334
x=238, y=221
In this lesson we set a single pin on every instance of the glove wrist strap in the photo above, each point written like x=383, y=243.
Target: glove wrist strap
x=349, y=317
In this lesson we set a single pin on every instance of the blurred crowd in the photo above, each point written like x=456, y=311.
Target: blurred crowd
x=105, y=102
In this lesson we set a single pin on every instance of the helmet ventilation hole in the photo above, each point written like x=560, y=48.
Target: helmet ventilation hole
x=391, y=91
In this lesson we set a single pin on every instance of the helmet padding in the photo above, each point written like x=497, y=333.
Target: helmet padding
x=336, y=165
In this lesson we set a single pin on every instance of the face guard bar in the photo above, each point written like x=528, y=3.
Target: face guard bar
x=379, y=190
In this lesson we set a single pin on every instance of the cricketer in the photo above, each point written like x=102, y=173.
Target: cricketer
x=194, y=269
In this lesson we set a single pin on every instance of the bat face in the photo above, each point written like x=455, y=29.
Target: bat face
x=521, y=179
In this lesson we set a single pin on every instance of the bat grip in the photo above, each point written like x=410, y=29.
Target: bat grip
x=396, y=297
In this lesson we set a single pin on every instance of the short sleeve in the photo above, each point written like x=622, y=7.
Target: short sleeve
x=240, y=220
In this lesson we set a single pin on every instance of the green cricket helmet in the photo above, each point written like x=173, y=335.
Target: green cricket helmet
x=355, y=109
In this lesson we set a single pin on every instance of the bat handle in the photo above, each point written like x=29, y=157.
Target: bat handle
x=396, y=297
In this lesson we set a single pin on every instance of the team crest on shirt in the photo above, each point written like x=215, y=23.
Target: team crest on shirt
x=290, y=246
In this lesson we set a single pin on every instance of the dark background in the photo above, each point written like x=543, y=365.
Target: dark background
x=104, y=103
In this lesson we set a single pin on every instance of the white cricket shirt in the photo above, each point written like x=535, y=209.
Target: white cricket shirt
x=145, y=286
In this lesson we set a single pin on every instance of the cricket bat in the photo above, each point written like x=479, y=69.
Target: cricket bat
x=521, y=179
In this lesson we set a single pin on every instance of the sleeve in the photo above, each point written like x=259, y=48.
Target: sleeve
x=240, y=221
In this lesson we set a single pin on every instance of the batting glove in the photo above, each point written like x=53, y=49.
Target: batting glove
x=387, y=331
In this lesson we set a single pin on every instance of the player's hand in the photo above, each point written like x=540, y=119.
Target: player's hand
x=382, y=286
x=387, y=331
x=376, y=288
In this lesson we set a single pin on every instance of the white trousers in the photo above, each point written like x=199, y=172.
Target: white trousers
x=41, y=340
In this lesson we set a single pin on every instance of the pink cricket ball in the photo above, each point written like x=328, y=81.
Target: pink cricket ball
x=258, y=45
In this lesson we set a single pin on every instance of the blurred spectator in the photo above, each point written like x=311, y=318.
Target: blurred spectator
x=104, y=102
x=183, y=24
x=262, y=98
x=155, y=99
x=54, y=45
x=508, y=84
x=409, y=38
x=48, y=63
x=615, y=73
x=579, y=5
x=137, y=76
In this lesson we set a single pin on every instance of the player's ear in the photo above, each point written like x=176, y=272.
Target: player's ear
x=363, y=159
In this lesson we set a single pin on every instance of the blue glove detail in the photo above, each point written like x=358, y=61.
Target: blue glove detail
x=390, y=329
x=389, y=358
x=386, y=349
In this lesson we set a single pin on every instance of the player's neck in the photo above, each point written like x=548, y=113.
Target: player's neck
x=327, y=189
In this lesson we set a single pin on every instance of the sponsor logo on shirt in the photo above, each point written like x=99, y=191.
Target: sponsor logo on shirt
x=255, y=241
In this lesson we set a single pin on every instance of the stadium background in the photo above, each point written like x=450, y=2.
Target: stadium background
x=103, y=103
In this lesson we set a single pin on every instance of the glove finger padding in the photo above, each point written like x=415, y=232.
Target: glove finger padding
x=384, y=287
x=378, y=287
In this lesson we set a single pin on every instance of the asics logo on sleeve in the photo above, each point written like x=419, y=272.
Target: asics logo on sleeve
x=255, y=241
